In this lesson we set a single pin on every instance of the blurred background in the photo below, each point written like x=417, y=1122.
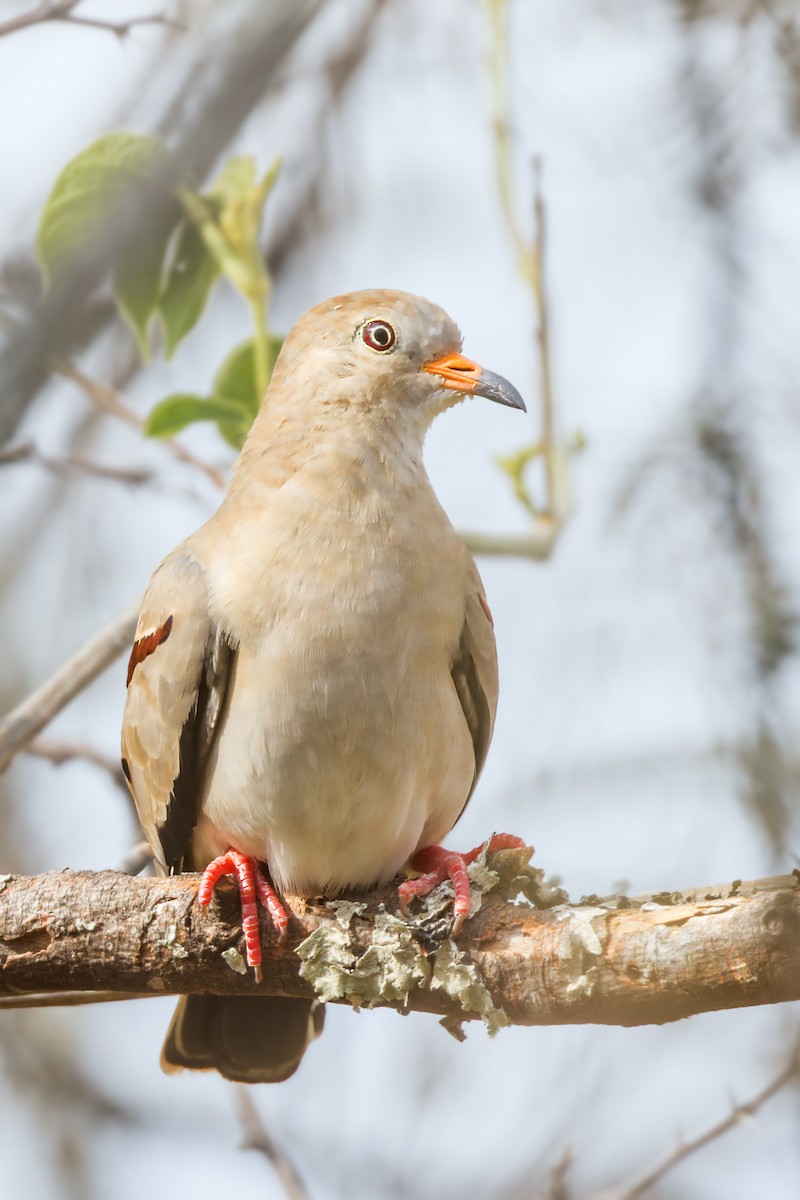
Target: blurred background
x=650, y=681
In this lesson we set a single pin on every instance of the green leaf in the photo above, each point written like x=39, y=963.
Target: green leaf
x=137, y=281
x=236, y=378
x=233, y=405
x=235, y=180
x=229, y=217
x=85, y=198
x=234, y=432
x=174, y=413
x=191, y=276
x=87, y=192
x=238, y=183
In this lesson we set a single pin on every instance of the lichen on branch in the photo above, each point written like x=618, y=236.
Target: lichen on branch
x=526, y=956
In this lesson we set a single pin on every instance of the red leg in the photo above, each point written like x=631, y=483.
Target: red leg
x=270, y=900
x=252, y=885
x=440, y=864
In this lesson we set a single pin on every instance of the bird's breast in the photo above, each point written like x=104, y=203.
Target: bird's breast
x=337, y=563
x=342, y=730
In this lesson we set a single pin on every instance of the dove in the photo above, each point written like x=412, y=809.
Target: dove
x=313, y=685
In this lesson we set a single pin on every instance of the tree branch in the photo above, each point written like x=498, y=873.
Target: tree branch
x=257, y=1137
x=537, y=545
x=75, y=465
x=620, y=961
x=22, y=724
x=108, y=400
x=549, y=519
x=70, y=464
x=63, y=12
x=59, y=753
x=683, y=1150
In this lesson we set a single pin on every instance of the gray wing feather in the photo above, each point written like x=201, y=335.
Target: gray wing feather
x=177, y=676
x=474, y=673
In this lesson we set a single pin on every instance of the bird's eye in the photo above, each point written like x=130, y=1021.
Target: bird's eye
x=379, y=335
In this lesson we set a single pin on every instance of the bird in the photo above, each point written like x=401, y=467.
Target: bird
x=313, y=685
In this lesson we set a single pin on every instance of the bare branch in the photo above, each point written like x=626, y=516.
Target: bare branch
x=558, y=1188
x=59, y=753
x=557, y=487
x=72, y=463
x=122, y=28
x=257, y=1137
x=291, y=222
x=22, y=724
x=616, y=962
x=69, y=999
x=684, y=1150
x=110, y=401
x=63, y=11
x=538, y=544
x=76, y=465
x=550, y=517
x=498, y=63
x=56, y=11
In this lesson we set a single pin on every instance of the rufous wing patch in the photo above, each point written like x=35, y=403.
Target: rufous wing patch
x=486, y=609
x=144, y=646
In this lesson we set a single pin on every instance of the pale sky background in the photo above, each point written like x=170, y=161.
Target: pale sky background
x=627, y=664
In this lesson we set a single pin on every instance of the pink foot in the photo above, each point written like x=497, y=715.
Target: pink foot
x=439, y=864
x=251, y=883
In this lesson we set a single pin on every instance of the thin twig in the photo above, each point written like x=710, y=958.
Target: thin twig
x=122, y=28
x=685, y=1149
x=22, y=724
x=71, y=463
x=62, y=11
x=110, y=401
x=556, y=492
x=558, y=1187
x=37, y=16
x=75, y=465
x=536, y=545
x=531, y=263
x=784, y=27
x=498, y=13
x=69, y=999
x=106, y=398
x=257, y=1137
x=59, y=753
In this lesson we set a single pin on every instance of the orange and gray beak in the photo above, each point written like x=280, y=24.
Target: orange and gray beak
x=460, y=374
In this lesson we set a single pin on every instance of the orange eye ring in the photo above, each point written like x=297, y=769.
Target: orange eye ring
x=379, y=335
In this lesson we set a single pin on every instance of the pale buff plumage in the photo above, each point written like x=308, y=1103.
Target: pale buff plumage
x=318, y=623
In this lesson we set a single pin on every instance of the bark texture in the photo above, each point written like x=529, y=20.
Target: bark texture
x=617, y=961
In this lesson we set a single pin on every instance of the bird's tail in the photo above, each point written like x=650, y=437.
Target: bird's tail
x=251, y=1039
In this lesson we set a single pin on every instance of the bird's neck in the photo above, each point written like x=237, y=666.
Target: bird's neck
x=362, y=451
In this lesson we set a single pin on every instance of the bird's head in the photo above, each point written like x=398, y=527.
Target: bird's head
x=384, y=352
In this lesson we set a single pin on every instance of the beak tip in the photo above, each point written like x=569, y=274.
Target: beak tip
x=496, y=388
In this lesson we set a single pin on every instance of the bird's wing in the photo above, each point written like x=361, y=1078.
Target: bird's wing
x=474, y=672
x=177, y=676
